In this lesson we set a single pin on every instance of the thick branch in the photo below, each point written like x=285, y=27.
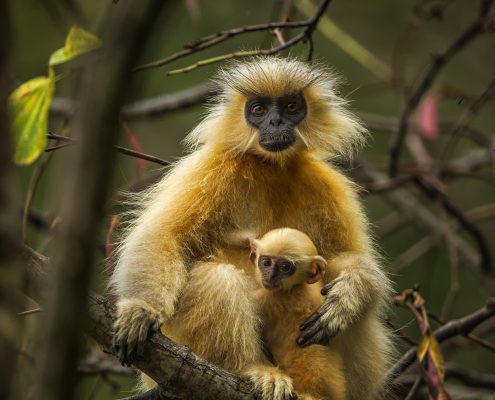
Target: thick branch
x=146, y=108
x=174, y=367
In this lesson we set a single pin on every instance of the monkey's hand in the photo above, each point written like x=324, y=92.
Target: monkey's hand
x=135, y=319
x=271, y=383
x=346, y=299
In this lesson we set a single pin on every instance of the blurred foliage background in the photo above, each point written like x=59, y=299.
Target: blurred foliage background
x=401, y=34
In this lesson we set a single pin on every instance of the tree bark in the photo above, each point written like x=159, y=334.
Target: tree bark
x=178, y=370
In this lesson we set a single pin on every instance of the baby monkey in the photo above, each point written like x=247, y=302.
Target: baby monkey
x=290, y=269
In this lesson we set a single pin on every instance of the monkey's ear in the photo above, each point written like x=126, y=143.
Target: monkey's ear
x=253, y=246
x=316, y=269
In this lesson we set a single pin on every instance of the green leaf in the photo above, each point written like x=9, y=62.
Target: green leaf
x=78, y=42
x=29, y=106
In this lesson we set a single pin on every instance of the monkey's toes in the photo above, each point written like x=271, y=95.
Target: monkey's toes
x=272, y=384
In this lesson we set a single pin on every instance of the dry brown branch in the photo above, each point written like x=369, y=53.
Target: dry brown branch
x=120, y=149
x=215, y=39
x=175, y=367
x=146, y=108
x=461, y=326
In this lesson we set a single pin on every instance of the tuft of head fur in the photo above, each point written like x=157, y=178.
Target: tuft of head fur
x=289, y=243
x=328, y=130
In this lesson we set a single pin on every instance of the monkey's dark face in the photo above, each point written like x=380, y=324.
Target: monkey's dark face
x=276, y=119
x=274, y=270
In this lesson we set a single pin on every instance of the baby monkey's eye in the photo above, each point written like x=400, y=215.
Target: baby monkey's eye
x=258, y=109
x=292, y=107
x=286, y=267
x=265, y=261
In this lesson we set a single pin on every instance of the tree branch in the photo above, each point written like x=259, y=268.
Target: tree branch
x=174, y=367
x=212, y=40
x=461, y=326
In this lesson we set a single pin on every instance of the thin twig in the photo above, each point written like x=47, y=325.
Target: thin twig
x=310, y=26
x=212, y=40
x=29, y=312
x=119, y=149
x=414, y=389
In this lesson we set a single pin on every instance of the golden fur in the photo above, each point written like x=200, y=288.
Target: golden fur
x=317, y=372
x=175, y=258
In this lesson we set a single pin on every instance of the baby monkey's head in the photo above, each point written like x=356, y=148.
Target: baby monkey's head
x=285, y=258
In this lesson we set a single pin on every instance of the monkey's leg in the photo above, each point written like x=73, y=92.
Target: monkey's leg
x=218, y=319
x=366, y=349
x=317, y=372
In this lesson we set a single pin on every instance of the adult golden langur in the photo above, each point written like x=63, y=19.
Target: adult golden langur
x=257, y=163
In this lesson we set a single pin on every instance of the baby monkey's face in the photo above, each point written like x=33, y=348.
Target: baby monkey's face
x=274, y=270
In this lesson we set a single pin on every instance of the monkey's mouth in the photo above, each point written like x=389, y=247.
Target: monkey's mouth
x=270, y=286
x=277, y=143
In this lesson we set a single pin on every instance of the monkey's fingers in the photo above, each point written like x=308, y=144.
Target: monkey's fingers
x=315, y=334
x=310, y=320
x=120, y=348
x=326, y=289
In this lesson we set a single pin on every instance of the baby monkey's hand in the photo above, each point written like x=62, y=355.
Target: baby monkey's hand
x=135, y=319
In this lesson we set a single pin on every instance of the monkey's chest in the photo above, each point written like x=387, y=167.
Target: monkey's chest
x=261, y=211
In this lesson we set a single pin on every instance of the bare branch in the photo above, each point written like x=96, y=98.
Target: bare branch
x=161, y=105
x=461, y=326
x=120, y=149
x=174, y=367
x=212, y=40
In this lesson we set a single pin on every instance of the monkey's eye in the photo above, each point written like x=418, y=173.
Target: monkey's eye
x=291, y=107
x=265, y=261
x=258, y=109
x=286, y=267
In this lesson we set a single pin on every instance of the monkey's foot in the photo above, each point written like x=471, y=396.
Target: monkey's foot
x=338, y=311
x=135, y=319
x=271, y=383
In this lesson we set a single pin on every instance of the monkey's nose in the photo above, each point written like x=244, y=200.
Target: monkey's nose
x=276, y=121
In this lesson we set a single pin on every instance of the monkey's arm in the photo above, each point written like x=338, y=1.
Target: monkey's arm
x=361, y=286
x=151, y=268
x=147, y=280
x=355, y=282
